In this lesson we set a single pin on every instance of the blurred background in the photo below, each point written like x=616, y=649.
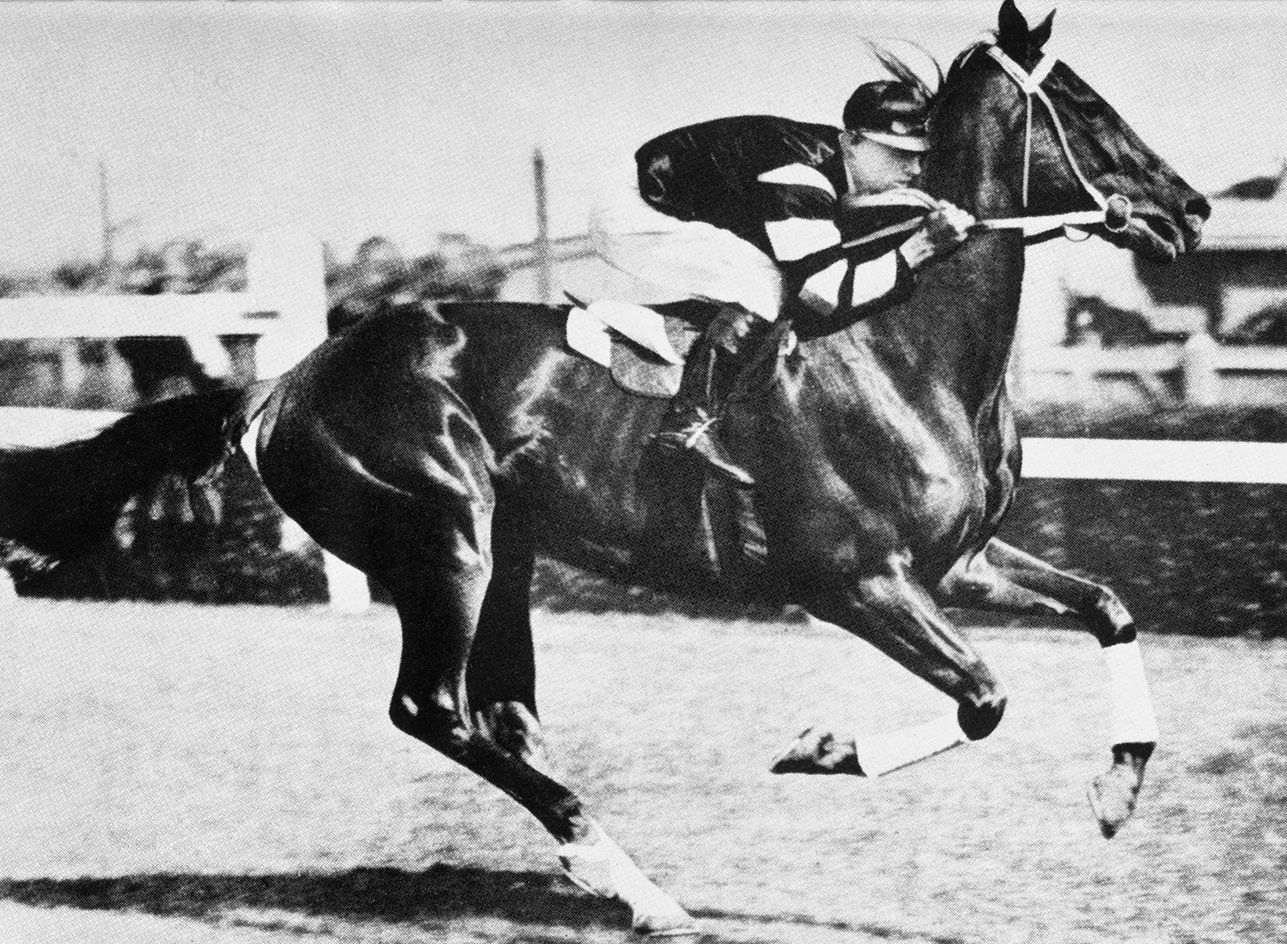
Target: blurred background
x=451, y=151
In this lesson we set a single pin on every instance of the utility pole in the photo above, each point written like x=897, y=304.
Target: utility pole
x=107, y=265
x=542, y=244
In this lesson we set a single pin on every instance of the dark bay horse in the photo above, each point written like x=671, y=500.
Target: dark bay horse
x=438, y=449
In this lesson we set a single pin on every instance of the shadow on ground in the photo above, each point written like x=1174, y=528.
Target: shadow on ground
x=438, y=898
x=364, y=894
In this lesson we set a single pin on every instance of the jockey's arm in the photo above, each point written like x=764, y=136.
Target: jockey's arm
x=852, y=282
x=944, y=230
x=806, y=243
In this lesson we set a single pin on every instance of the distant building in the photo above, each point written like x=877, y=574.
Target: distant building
x=1240, y=269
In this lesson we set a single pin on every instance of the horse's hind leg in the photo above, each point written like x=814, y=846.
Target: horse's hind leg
x=1008, y=579
x=439, y=603
x=893, y=612
x=502, y=663
x=442, y=597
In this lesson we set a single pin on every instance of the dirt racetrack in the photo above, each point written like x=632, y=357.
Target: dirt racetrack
x=228, y=775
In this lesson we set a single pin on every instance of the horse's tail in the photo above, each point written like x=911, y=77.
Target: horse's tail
x=62, y=500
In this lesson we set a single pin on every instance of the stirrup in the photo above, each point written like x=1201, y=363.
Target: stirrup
x=697, y=437
x=693, y=432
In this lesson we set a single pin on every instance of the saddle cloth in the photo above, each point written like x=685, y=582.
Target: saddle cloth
x=643, y=348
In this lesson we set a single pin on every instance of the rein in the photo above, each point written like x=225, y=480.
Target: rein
x=1114, y=211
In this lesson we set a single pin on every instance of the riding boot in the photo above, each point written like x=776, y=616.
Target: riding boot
x=719, y=356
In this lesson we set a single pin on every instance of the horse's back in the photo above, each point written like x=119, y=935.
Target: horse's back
x=421, y=409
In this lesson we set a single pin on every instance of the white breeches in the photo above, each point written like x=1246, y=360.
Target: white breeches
x=683, y=259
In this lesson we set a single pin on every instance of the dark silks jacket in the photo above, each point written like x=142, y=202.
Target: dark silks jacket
x=777, y=184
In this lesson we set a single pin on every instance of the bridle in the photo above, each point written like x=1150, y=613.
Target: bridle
x=1114, y=211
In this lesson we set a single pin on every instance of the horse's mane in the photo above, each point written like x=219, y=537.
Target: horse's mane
x=900, y=70
x=988, y=39
x=958, y=64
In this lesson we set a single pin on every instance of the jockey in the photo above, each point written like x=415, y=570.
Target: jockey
x=751, y=212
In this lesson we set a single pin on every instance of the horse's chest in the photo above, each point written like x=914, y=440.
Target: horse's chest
x=920, y=492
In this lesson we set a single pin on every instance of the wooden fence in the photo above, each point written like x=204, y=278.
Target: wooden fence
x=1207, y=372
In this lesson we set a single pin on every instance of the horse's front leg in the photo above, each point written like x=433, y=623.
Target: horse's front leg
x=891, y=610
x=1008, y=579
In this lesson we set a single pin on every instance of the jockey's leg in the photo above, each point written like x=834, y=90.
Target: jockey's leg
x=729, y=343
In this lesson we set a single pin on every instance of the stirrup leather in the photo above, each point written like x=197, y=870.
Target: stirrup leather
x=695, y=431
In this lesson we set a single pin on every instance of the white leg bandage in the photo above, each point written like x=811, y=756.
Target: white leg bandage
x=602, y=868
x=881, y=753
x=1133, y=721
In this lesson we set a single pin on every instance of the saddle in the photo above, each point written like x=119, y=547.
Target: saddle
x=644, y=347
x=699, y=526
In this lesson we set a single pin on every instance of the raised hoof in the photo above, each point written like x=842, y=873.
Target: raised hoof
x=1112, y=798
x=817, y=751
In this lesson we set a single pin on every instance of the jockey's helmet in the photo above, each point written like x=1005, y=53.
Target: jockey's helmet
x=889, y=113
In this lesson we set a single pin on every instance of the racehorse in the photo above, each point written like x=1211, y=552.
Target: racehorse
x=438, y=448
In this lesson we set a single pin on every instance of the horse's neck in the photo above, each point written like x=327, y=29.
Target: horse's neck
x=965, y=311
x=966, y=307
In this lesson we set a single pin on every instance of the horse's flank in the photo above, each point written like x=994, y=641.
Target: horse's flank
x=562, y=446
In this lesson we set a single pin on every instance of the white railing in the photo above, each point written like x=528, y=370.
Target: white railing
x=280, y=317
x=267, y=329
x=283, y=315
x=1155, y=460
x=1203, y=365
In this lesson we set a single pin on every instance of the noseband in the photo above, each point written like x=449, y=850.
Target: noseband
x=1114, y=211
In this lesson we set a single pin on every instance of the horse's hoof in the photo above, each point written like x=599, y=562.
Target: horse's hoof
x=817, y=751
x=600, y=867
x=1112, y=798
x=674, y=922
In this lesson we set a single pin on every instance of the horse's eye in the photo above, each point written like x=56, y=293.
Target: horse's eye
x=1095, y=109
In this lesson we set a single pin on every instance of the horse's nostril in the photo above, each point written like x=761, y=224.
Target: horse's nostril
x=1199, y=207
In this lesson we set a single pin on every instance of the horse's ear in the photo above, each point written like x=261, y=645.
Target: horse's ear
x=1041, y=32
x=1012, y=31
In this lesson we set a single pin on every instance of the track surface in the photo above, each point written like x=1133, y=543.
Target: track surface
x=228, y=775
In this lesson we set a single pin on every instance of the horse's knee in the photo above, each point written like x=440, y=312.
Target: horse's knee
x=978, y=715
x=1114, y=623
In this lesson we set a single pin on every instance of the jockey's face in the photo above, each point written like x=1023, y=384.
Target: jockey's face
x=874, y=167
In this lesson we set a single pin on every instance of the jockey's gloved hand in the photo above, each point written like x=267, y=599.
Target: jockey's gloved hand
x=944, y=230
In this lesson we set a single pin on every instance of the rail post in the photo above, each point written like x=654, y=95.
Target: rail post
x=267, y=330
x=1198, y=367
x=286, y=275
